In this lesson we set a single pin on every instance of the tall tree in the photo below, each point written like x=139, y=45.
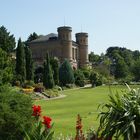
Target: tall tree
x=94, y=58
x=32, y=36
x=29, y=64
x=7, y=41
x=136, y=70
x=20, y=62
x=66, y=75
x=55, y=67
x=6, y=72
x=48, y=80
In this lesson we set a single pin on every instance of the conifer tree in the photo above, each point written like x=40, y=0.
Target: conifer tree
x=48, y=80
x=29, y=64
x=7, y=41
x=55, y=67
x=20, y=62
x=66, y=75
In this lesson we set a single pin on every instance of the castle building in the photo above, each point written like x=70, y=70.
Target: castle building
x=62, y=46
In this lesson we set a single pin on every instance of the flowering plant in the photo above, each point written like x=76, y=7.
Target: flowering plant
x=41, y=130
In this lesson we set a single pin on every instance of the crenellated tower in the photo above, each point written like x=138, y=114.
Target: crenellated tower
x=64, y=35
x=82, y=41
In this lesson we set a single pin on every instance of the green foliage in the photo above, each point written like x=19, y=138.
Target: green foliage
x=79, y=78
x=95, y=79
x=122, y=61
x=29, y=64
x=136, y=70
x=55, y=67
x=38, y=132
x=121, y=70
x=7, y=41
x=20, y=62
x=6, y=68
x=38, y=75
x=86, y=73
x=15, y=114
x=93, y=58
x=122, y=116
x=48, y=80
x=66, y=75
x=31, y=37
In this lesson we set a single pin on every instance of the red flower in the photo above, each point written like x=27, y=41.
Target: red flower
x=47, y=121
x=79, y=126
x=36, y=111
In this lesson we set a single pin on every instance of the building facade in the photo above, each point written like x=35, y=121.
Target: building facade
x=62, y=46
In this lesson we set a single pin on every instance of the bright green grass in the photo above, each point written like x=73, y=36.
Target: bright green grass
x=79, y=101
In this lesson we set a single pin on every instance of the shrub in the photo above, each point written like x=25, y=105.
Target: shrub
x=66, y=75
x=38, y=88
x=79, y=78
x=15, y=114
x=96, y=79
x=122, y=116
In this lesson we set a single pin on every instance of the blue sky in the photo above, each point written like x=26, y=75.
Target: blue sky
x=108, y=22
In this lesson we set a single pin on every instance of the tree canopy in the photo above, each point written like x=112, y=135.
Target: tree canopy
x=66, y=75
x=6, y=68
x=20, y=62
x=7, y=41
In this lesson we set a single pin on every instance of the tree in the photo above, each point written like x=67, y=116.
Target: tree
x=20, y=62
x=136, y=70
x=121, y=70
x=136, y=55
x=66, y=75
x=31, y=37
x=6, y=71
x=55, y=67
x=29, y=64
x=93, y=58
x=7, y=41
x=38, y=74
x=48, y=80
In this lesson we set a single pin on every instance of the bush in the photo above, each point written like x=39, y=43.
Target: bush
x=39, y=88
x=15, y=114
x=96, y=79
x=28, y=84
x=120, y=117
x=79, y=78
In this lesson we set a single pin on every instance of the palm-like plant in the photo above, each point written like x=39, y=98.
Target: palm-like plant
x=122, y=116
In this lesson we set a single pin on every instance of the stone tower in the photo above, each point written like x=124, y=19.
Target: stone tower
x=82, y=41
x=64, y=36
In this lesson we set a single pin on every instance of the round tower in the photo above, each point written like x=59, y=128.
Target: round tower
x=64, y=35
x=82, y=41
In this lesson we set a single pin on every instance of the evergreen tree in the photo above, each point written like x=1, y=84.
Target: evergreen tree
x=6, y=68
x=7, y=41
x=55, y=67
x=30, y=38
x=29, y=64
x=66, y=75
x=48, y=80
x=20, y=62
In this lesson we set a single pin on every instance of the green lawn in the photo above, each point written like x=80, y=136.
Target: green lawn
x=83, y=101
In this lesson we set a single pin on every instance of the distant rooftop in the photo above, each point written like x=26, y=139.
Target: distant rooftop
x=45, y=38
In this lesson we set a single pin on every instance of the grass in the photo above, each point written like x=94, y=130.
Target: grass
x=79, y=101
